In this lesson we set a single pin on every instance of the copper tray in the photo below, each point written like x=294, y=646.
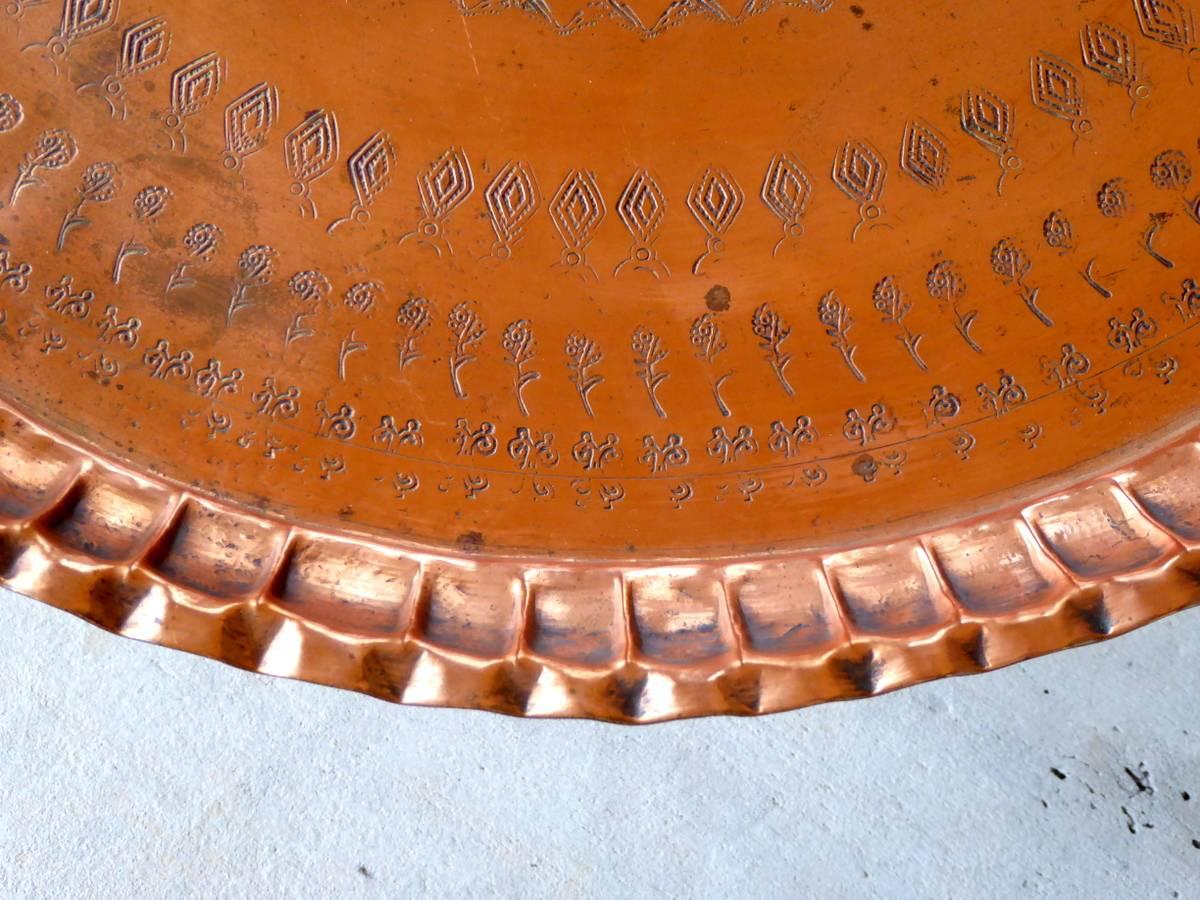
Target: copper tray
x=630, y=360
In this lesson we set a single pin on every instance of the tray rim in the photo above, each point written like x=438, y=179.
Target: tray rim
x=145, y=597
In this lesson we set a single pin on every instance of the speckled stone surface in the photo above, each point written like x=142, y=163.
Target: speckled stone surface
x=130, y=770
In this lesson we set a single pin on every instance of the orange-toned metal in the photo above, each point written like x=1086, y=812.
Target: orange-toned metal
x=631, y=360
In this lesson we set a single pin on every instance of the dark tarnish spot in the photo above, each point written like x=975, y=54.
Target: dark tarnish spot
x=10, y=552
x=857, y=11
x=111, y=602
x=387, y=673
x=626, y=693
x=470, y=541
x=743, y=689
x=508, y=691
x=245, y=637
x=718, y=298
x=1096, y=616
x=862, y=672
x=975, y=648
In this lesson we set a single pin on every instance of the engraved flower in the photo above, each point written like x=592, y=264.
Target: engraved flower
x=99, y=183
x=518, y=340
x=256, y=265
x=310, y=285
x=202, y=240
x=55, y=149
x=576, y=347
x=1009, y=261
x=11, y=112
x=1058, y=232
x=414, y=314
x=945, y=281
x=706, y=337
x=1171, y=170
x=645, y=342
x=1112, y=199
x=361, y=297
x=889, y=300
x=830, y=312
x=151, y=201
x=464, y=324
x=768, y=326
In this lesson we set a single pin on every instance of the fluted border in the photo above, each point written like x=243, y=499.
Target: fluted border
x=615, y=642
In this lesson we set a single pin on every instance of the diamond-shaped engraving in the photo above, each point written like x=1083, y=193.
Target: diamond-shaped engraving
x=716, y=201
x=310, y=151
x=193, y=87
x=786, y=192
x=370, y=168
x=1110, y=51
x=248, y=122
x=989, y=120
x=444, y=187
x=924, y=155
x=1057, y=90
x=860, y=172
x=144, y=47
x=577, y=210
x=642, y=207
x=512, y=198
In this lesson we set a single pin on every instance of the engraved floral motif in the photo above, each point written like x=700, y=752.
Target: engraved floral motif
x=942, y=406
x=394, y=438
x=1013, y=265
x=1004, y=398
x=946, y=284
x=864, y=430
x=413, y=317
x=520, y=348
x=893, y=305
x=592, y=454
x=340, y=423
x=660, y=457
x=1112, y=199
x=1058, y=232
x=12, y=113
x=1171, y=170
x=787, y=440
x=361, y=297
x=835, y=316
x=531, y=449
x=467, y=330
x=310, y=286
x=648, y=354
x=583, y=355
x=151, y=201
x=14, y=275
x=1130, y=336
x=773, y=331
x=726, y=448
x=55, y=149
x=473, y=441
x=708, y=344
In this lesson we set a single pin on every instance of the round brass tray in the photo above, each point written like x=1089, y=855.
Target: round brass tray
x=632, y=360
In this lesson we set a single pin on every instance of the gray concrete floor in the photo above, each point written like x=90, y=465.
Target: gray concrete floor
x=127, y=770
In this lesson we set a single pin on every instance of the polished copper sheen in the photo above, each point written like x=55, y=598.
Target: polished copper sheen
x=629, y=360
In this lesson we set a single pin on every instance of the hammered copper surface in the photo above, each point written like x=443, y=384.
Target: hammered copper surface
x=631, y=360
